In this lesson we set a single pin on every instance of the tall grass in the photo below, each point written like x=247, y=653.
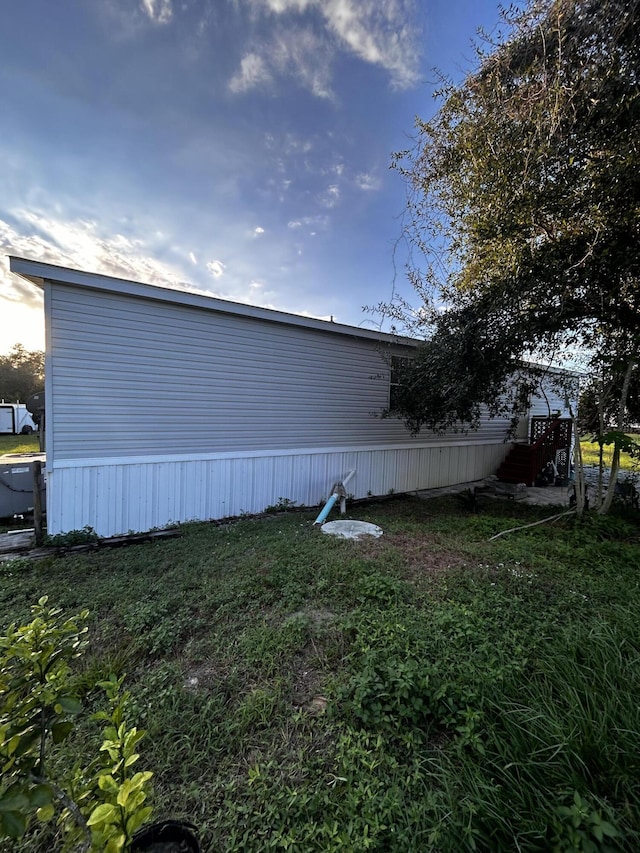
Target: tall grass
x=559, y=769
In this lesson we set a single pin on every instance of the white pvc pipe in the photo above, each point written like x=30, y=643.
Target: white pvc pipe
x=348, y=477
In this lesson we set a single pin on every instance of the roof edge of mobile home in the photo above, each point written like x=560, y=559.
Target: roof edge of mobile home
x=37, y=272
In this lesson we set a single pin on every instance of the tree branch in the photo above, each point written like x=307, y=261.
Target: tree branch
x=68, y=803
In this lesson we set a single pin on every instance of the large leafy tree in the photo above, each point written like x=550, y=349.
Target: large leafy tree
x=21, y=373
x=524, y=201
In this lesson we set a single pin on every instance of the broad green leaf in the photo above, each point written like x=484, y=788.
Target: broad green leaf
x=27, y=742
x=124, y=792
x=132, y=737
x=135, y=801
x=104, y=813
x=15, y=801
x=45, y=813
x=101, y=715
x=13, y=824
x=608, y=829
x=41, y=795
x=116, y=843
x=12, y=744
x=138, y=819
x=106, y=782
x=68, y=705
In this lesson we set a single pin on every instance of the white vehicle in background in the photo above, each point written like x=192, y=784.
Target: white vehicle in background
x=15, y=419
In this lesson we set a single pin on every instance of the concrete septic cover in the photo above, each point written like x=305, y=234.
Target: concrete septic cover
x=351, y=529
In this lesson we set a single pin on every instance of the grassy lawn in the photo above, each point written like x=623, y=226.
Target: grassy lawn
x=591, y=454
x=428, y=691
x=19, y=444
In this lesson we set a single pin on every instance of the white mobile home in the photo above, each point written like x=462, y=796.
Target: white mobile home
x=166, y=406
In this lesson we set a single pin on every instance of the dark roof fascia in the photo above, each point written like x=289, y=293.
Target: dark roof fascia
x=551, y=368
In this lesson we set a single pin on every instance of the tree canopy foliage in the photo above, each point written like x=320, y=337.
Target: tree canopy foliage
x=598, y=411
x=524, y=201
x=21, y=374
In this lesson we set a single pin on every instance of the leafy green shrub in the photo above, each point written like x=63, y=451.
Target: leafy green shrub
x=72, y=537
x=102, y=803
x=281, y=505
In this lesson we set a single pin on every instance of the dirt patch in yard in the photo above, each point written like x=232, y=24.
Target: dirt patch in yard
x=309, y=670
x=422, y=552
x=308, y=682
x=419, y=555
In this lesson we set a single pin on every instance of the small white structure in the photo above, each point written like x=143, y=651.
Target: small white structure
x=165, y=406
x=351, y=529
x=15, y=419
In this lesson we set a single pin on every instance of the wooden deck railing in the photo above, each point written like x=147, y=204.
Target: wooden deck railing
x=556, y=436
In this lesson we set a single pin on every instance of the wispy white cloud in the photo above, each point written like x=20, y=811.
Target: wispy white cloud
x=288, y=143
x=216, y=268
x=296, y=52
x=79, y=244
x=160, y=11
x=309, y=221
x=330, y=197
x=367, y=182
x=306, y=56
x=253, y=72
x=328, y=317
x=380, y=32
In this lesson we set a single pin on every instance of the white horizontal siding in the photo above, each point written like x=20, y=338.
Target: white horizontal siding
x=132, y=376
x=558, y=391
x=114, y=496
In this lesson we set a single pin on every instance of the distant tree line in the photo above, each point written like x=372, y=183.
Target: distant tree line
x=21, y=373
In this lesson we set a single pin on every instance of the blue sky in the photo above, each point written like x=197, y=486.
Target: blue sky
x=239, y=147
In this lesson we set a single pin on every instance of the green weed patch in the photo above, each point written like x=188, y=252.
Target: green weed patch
x=428, y=691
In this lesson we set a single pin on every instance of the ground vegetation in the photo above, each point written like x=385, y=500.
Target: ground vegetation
x=428, y=690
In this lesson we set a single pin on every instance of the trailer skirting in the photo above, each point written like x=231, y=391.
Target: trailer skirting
x=115, y=496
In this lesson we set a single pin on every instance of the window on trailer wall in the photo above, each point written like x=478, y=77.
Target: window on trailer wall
x=399, y=364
